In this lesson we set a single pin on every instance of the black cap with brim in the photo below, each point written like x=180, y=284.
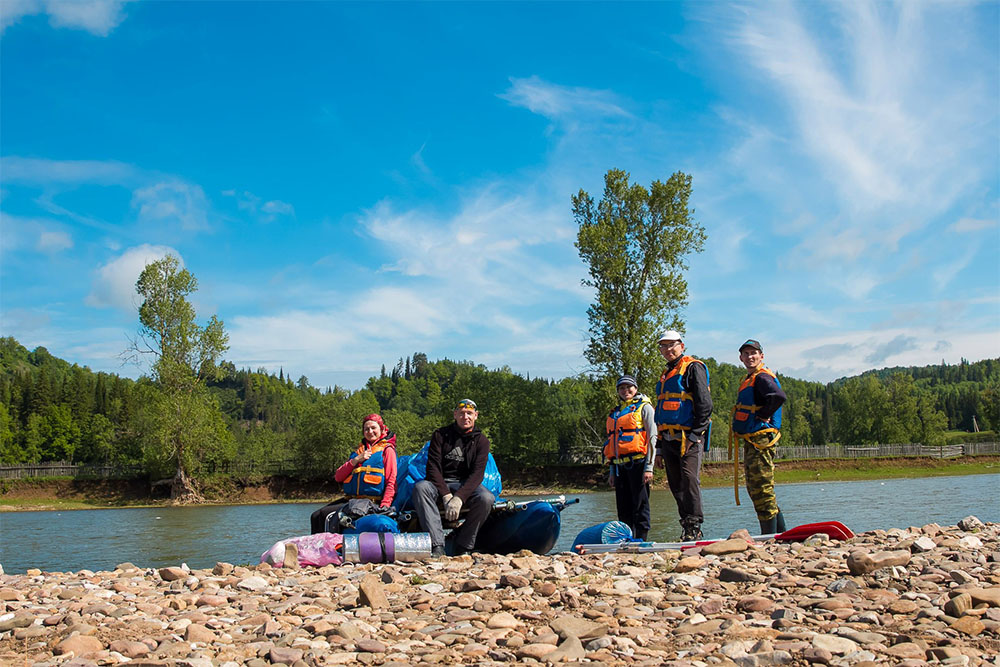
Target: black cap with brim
x=752, y=343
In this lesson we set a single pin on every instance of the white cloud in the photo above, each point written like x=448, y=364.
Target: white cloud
x=172, y=202
x=555, y=101
x=968, y=225
x=114, y=282
x=53, y=242
x=98, y=17
x=39, y=171
x=260, y=210
x=945, y=273
x=843, y=354
x=864, y=117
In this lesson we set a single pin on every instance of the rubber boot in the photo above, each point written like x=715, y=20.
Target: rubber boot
x=781, y=522
x=768, y=526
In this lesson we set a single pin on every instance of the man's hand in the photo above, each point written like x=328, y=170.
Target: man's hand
x=647, y=477
x=452, y=506
x=611, y=480
x=658, y=462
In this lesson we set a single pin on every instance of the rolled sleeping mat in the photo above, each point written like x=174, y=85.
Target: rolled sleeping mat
x=386, y=547
x=611, y=532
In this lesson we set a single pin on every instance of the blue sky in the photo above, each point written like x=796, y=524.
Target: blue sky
x=352, y=183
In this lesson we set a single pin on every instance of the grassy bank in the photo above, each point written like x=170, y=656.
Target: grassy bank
x=70, y=494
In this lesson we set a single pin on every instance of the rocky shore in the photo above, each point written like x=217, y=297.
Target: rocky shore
x=926, y=595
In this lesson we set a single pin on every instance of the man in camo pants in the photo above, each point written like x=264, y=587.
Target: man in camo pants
x=756, y=420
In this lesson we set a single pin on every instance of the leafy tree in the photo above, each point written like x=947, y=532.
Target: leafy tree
x=331, y=430
x=990, y=401
x=635, y=243
x=183, y=424
x=9, y=453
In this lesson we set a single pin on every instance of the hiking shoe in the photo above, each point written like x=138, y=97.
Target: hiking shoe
x=437, y=552
x=692, y=534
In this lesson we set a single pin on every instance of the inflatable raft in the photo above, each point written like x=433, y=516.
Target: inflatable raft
x=510, y=527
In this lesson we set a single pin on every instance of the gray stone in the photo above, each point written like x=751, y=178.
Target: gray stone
x=571, y=626
x=284, y=654
x=571, y=649
x=971, y=524
x=834, y=644
x=923, y=544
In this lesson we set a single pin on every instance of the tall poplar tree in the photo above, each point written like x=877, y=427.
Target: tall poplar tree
x=183, y=425
x=635, y=243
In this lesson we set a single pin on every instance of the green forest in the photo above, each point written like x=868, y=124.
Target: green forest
x=53, y=410
x=194, y=414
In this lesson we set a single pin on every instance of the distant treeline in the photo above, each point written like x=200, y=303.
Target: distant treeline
x=51, y=410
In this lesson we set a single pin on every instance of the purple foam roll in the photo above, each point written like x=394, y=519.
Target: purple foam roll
x=390, y=547
x=369, y=548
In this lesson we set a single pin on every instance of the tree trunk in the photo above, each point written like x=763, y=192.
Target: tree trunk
x=182, y=489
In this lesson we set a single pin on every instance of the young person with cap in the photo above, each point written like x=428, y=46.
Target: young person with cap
x=683, y=418
x=370, y=472
x=756, y=420
x=629, y=448
x=456, y=464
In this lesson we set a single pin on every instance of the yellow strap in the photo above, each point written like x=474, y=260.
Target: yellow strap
x=671, y=394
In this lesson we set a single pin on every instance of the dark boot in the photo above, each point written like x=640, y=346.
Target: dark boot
x=768, y=526
x=781, y=522
x=691, y=532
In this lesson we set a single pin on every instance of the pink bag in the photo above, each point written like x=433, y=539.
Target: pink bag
x=317, y=550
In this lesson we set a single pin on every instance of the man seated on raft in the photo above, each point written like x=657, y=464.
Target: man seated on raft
x=456, y=463
x=370, y=472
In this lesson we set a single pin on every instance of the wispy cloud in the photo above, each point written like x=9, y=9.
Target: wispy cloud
x=114, y=282
x=98, y=17
x=172, y=202
x=260, y=210
x=555, y=101
x=969, y=225
x=873, y=106
x=54, y=241
x=44, y=172
x=892, y=348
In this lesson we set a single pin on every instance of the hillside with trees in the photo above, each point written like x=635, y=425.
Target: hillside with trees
x=53, y=410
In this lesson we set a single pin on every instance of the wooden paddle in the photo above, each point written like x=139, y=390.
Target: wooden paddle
x=835, y=529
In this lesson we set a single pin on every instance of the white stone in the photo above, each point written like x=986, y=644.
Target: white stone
x=970, y=542
x=253, y=583
x=834, y=644
x=689, y=580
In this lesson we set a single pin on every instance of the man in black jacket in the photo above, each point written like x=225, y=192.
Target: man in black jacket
x=456, y=463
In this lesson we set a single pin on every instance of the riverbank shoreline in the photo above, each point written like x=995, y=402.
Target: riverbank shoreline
x=65, y=494
x=916, y=596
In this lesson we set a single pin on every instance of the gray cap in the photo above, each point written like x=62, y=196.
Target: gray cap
x=627, y=379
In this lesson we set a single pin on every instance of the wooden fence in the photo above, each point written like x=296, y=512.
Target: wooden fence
x=719, y=454
x=714, y=455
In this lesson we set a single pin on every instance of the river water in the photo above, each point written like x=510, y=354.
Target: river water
x=202, y=536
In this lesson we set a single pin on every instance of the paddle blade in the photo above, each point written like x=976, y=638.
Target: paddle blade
x=835, y=529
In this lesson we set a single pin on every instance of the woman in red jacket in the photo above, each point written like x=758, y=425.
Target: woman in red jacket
x=370, y=472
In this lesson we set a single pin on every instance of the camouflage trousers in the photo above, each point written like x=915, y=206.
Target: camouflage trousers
x=758, y=468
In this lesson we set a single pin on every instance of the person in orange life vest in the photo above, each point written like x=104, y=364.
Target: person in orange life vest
x=370, y=472
x=683, y=414
x=630, y=446
x=756, y=420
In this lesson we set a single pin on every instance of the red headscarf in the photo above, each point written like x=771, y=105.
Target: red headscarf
x=378, y=420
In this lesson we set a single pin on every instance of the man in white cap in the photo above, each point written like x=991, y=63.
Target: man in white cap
x=629, y=448
x=683, y=419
